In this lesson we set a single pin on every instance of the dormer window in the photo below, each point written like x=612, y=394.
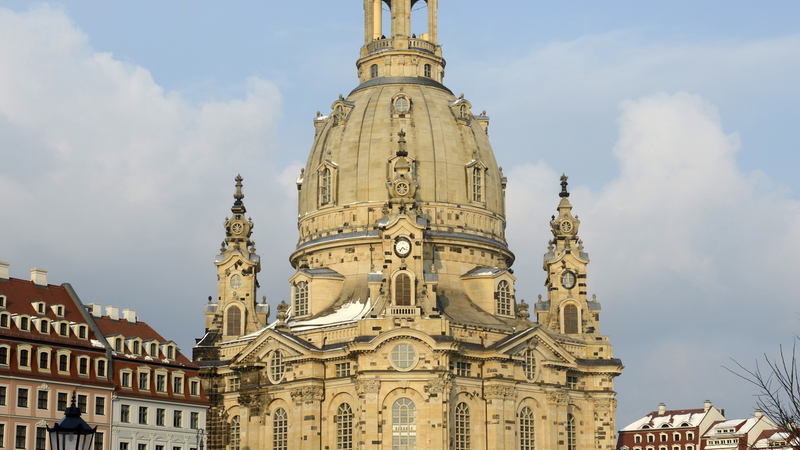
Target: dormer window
x=325, y=186
x=135, y=347
x=24, y=323
x=170, y=352
x=83, y=366
x=118, y=345
x=58, y=310
x=301, y=298
x=82, y=332
x=2, y=301
x=40, y=307
x=427, y=70
x=4, y=355
x=153, y=350
x=4, y=320
x=62, y=329
x=477, y=185
x=503, y=295
x=44, y=326
x=24, y=358
x=177, y=385
x=63, y=362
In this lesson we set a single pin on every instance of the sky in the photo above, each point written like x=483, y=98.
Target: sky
x=124, y=124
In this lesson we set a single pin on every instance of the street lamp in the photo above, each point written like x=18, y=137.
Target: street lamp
x=71, y=432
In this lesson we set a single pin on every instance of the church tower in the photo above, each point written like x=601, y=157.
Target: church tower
x=403, y=329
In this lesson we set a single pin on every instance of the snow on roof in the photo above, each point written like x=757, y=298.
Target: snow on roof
x=673, y=419
x=349, y=312
x=96, y=343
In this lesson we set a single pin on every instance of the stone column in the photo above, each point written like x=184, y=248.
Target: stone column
x=308, y=407
x=495, y=416
x=369, y=413
x=433, y=6
x=557, y=419
x=438, y=392
x=377, y=18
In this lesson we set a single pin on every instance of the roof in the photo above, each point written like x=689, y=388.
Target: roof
x=673, y=418
x=145, y=332
x=484, y=272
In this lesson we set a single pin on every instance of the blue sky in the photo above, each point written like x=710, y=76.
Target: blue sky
x=123, y=124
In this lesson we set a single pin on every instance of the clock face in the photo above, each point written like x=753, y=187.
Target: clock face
x=236, y=282
x=402, y=247
x=401, y=188
x=566, y=226
x=568, y=280
x=237, y=228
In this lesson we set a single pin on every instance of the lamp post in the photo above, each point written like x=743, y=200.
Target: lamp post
x=200, y=436
x=71, y=432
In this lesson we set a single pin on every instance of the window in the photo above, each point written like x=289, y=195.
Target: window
x=3, y=391
x=153, y=350
x=82, y=403
x=477, y=184
x=463, y=369
x=194, y=420
x=4, y=356
x=572, y=441
x=676, y=437
x=663, y=437
x=234, y=321
x=126, y=379
x=526, y=429
x=44, y=360
x=123, y=446
x=160, y=415
x=402, y=290
x=42, y=400
x=503, y=298
x=161, y=383
x=135, y=347
x=23, y=358
x=98, y=441
x=572, y=382
x=144, y=382
x=403, y=356
x=41, y=438
x=83, y=366
x=571, y=319
x=63, y=363
x=637, y=439
x=177, y=419
x=177, y=385
x=101, y=368
x=690, y=436
x=235, y=432
x=404, y=425
x=651, y=438
x=529, y=366
x=22, y=398
x=118, y=345
x=60, y=311
x=427, y=70
x=194, y=388
x=276, y=366
x=2, y=434
x=62, y=329
x=142, y=446
x=234, y=384
x=170, y=352
x=343, y=370
x=280, y=430
x=325, y=186
x=61, y=403
x=143, y=415
x=373, y=71
x=301, y=298
x=21, y=436
x=44, y=326
x=125, y=413
x=23, y=323
x=344, y=427
x=100, y=406
x=4, y=320
x=462, y=427
x=82, y=332
x=401, y=105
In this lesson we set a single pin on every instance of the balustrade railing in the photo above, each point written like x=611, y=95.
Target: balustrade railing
x=388, y=44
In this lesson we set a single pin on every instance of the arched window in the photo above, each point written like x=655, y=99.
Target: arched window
x=344, y=427
x=373, y=71
x=427, y=70
x=637, y=439
x=503, y=296
x=135, y=347
x=572, y=435
x=62, y=329
x=526, y=429
x=152, y=351
x=301, y=298
x=325, y=186
x=118, y=345
x=404, y=425
x=402, y=290
x=4, y=320
x=23, y=358
x=280, y=430
x=234, y=321
x=43, y=326
x=462, y=427
x=63, y=361
x=529, y=366
x=277, y=367
x=236, y=439
x=477, y=185
x=571, y=319
x=4, y=356
x=44, y=360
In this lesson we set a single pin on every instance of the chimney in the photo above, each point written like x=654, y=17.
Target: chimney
x=95, y=309
x=129, y=315
x=707, y=405
x=758, y=414
x=112, y=312
x=4, y=270
x=39, y=277
x=661, y=409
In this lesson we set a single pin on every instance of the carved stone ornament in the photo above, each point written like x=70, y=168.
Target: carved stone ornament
x=308, y=394
x=439, y=386
x=494, y=391
x=558, y=397
x=368, y=386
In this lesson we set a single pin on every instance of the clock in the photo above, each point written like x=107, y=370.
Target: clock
x=566, y=226
x=237, y=228
x=402, y=247
x=568, y=280
x=236, y=282
x=401, y=188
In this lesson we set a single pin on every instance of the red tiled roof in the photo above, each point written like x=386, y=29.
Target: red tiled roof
x=143, y=331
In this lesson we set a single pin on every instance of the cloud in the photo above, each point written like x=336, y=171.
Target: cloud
x=685, y=247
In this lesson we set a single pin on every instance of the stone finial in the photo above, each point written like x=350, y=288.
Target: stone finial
x=550, y=246
x=209, y=299
x=564, y=193
x=401, y=143
x=580, y=245
x=282, y=316
x=523, y=310
x=222, y=249
x=238, y=195
x=594, y=298
x=540, y=298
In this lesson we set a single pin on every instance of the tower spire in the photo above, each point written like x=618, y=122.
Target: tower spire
x=564, y=193
x=238, y=205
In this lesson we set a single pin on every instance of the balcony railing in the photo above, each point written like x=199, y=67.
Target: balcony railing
x=420, y=44
x=407, y=311
x=388, y=44
x=379, y=45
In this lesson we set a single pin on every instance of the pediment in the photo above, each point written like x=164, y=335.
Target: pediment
x=268, y=341
x=552, y=351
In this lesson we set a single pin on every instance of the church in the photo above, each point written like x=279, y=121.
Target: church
x=404, y=330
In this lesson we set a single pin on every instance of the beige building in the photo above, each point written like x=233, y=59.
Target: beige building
x=404, y=331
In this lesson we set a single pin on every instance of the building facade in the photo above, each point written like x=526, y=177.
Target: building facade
x=404, y=330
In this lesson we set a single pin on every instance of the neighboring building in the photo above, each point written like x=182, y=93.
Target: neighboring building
x=404, y=329
x=679, y=429
x=736, y=434
x=777, y=440
x=159, y=403
x=48, y=350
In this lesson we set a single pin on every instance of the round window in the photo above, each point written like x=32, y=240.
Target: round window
x=568, y=280
x=236, y=282
x=401, y=105
x=404, y=357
